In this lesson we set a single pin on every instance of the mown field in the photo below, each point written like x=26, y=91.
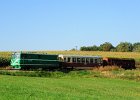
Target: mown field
x=67, y=88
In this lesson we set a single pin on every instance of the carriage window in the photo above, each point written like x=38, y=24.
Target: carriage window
x=68, y=59
x=91, y=60
x=64, y=59
x=99, y=60
x=95, y=60
x=73, y=59
x=83, y=60
x=87, y=60
x=78, y=60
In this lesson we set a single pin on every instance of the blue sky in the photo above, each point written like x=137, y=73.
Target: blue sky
x=64, y=24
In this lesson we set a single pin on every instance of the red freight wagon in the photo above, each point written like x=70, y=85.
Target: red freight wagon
x=126, y=63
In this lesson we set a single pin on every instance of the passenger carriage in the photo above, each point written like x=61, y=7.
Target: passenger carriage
x=76, y=61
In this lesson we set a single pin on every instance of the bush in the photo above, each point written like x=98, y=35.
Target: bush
x=4, y=61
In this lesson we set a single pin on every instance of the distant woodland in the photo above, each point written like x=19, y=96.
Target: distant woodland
x=107, y=46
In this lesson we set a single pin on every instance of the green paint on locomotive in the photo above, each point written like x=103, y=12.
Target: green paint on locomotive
x=32, y=60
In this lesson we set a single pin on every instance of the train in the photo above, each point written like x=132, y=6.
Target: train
x=22, y=60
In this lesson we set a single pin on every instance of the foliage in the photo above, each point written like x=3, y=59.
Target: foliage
x=106, y=46
x=121, y=47
x=136, y=47
x=124, y=47
x=4, y=61
x=90, y=48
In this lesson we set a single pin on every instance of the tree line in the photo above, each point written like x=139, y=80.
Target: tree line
x=107, y=46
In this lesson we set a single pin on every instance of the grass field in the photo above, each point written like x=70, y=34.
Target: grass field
x=67, y=88
x=101, y=84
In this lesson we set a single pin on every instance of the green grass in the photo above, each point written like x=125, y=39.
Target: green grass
x=67, y=88
x=100, y=73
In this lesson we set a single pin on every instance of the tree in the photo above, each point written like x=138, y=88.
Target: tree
x=124, y=47
x=106, y=46
x=83, y=48
x=136, y=47
x=89, y=48
x=94, y=48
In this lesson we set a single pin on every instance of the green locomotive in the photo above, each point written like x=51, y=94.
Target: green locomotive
x=21, y=60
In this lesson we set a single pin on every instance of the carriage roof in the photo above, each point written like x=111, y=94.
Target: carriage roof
x=79, y=56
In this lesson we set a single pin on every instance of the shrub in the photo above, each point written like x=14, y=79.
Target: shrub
x=4, y=61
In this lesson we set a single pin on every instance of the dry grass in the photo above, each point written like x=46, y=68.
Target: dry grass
x=116, y=72
x=5, y=54
x=134, y=55
x=107, y=68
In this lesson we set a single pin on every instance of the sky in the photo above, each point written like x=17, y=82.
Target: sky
x=65, y=24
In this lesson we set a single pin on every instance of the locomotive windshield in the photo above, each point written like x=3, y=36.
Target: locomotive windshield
x=16, y=55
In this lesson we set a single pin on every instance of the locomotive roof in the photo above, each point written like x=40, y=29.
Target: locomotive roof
x=34, y=53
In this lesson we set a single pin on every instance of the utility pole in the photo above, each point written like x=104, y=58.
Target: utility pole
x=75, y=47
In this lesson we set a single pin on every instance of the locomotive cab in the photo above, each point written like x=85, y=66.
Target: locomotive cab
x=34, y=61
x=15, y=60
